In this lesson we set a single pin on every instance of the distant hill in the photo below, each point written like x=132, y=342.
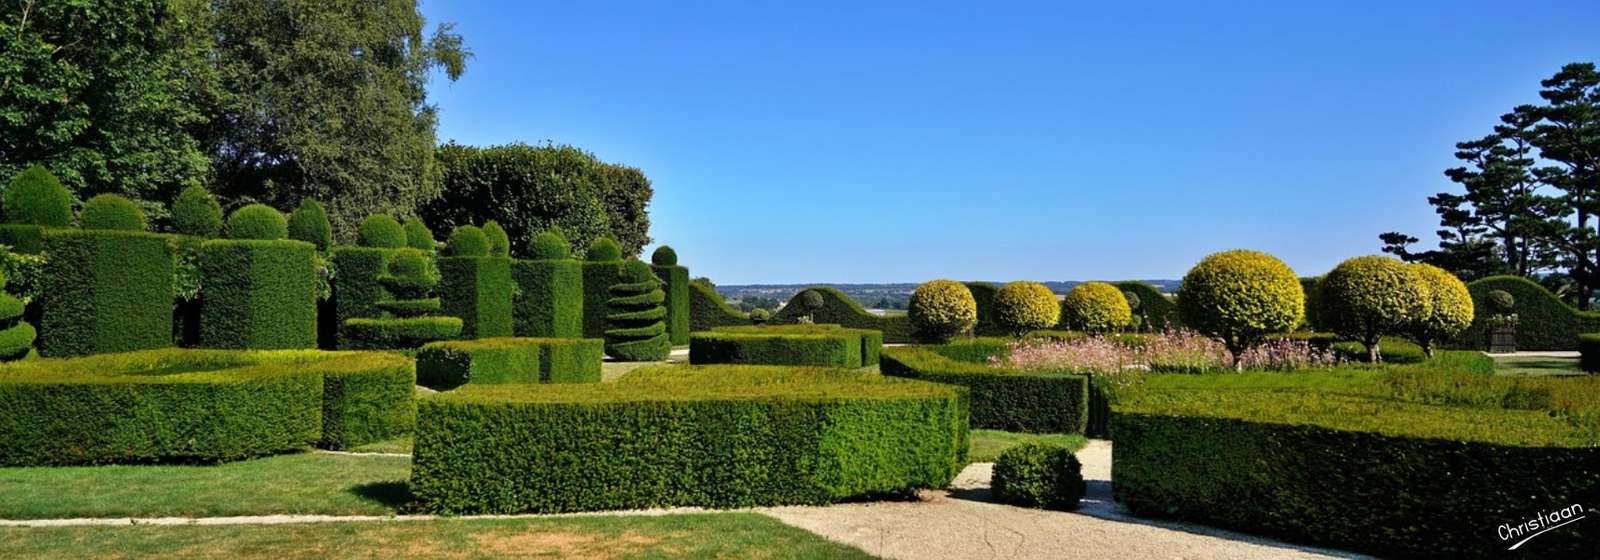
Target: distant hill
x=873, y=296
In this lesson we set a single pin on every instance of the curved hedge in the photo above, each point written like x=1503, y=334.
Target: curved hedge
x=1001, y=399
x=309, y=223
x=942, y=309
x=1544, y=322
x=707, y=310
x=367, y=333
x=838, y=309
x=636, y=329
x=36, y=197
x=798, y=345
x=256, y=221
x=1023, y=306
x=704, y=436
x=381, y=231
x=1096, y=307
x=1038, y=475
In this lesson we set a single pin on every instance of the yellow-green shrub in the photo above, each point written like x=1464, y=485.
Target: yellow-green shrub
x=942, y=309
x=1024, y=306
x=1450, y=309
x=1365, y=298
x=1239, y=297
x=1096, y=307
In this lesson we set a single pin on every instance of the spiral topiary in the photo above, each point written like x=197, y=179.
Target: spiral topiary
x=410, y=277
x=664, y=256
x=1023, y=306
x=16, y=335
x=36, y=197
x=112, y=211
x=1502, y=302
x=196, y=212
x=499, y=242
x=1039, y=475
x=1239, y=297
x=636, y=330
x=1365, y=298
x=1449, y=311
x=467, y=241
x=381, y=230
x=256, y=221
x=1096, y=307
x=604, y=249
x=550, y=245
x=309, y=223
x=418, y=236
x=942, y=309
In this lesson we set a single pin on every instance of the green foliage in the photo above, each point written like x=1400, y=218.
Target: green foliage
x=256, y=221
x=548, y=301
x=664, y=256
x=1024, y=306
x=1501, y=301
x=598, y=277
x=258, y=294
x=1002, y=399
x=112, y=212
x=367, y=398
x=799, y=345
x=450, y=364
x=1239, y=297
x=839, y=309
x=382, y=231
x=675, y=283
x=415, y=307
x=418, y=236
x=1544, y=322
x=1308, y=286
x=636, y=329
x=983, y=297
x=1449, y=311
x=1039, y=475
x=1589, y=352
x=942, y=309
x=1156, y=311
x=707, y=310
x=366, y=333
x=604, y=249
x=479, y=291
x=357, y=289
x=309, y=223
x=23, y=238
x=16, y=335
x=467, y=241
x=707, y=436
x=411, y=274
x=549, y=245
x=196, y=212
x=105, y=291
x=1096, y=307
x=35, y=197
x=1365, y=298
x=499, y=243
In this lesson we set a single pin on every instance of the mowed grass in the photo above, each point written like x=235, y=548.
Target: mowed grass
x=715, y=535
x=987, y=445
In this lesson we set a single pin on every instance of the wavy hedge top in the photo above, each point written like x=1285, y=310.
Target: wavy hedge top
x=1544, y=322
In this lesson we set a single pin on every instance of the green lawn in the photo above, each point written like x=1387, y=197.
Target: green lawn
x=718, y=535
x=988, y=444
x=1535, y=365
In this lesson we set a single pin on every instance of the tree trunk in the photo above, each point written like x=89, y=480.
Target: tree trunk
x=1373, y=353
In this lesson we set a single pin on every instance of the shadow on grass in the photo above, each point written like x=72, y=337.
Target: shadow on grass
x=393, y=494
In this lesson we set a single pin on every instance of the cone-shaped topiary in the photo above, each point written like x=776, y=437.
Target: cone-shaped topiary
x=604, y=249
x=309, y=223
x=499, y=243
x=636, y=330
x=418, y=236
x=1449, y=313
x=196, y=212
x=942, y=309
x=16, y=336
x=467, y=241
x=549, y=246
x=1023, y=306
x=1367, y=297
x=256, y=221
x=112, y=211
x=1239, y=297
x=664, y=256
x=1096, y=307
x=36, y=197
x=381, y=230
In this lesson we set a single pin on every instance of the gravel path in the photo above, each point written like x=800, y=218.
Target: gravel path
x=962, y=523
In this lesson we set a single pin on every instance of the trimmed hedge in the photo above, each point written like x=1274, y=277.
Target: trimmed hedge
x=356, y=288
x=1544, y=322
x=1001, y=399
x=675, y=282
x=258, y=294
x=549, y=298
x=1589, y=352
x=799, y=345
x=1039, y=475
x=111, y=211
x=983, y=295
x=707, y=310
x=365, y=333
x=1157, y=311
x=838, y=309
x=636, y=330
x=478, y=290
x=256, y=221
x=705, y=436
x=36, y=197
x=23, y=238
x=598, y=277
x=450, y=364
x=309, y=223
x=381, y=231
x=16, y=335
x=366, y=397
x=106, y=291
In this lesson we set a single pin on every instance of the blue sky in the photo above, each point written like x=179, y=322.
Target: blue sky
x=796, y=142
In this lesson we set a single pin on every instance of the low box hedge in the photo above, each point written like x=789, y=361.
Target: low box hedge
x=258, y=294
x=1001, y=399
x=450, y=364
x=812, y=345
x=105, y=291
x=1544, y=322
x=391, y=333
x=705, y=436
x=367, y=397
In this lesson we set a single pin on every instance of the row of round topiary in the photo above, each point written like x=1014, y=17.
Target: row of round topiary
x=942, y=309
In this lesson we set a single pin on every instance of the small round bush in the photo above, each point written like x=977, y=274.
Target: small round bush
x=604, y=249
x=256, y=221
x=812, y=300
x=759, y=315
x=664, y=256
x=309, y=223
x=1239, y=297
x=550, y=245
x=381, y=230
x=1449, y=311
x=1038, y=475
x=196, y=212
x=418, y=236
x=499, y=243
x=36, y=197
x=112, y=211
x=1501, y=301
x=942, y=309
x=467, y=241
x=409, y=263
x=1365, y=298
x=1023, y=306
x=1096, y=307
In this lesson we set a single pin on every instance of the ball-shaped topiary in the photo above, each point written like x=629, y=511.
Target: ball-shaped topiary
x=550, y=245
x=1449, y=311
x=418, y=236
x=1023, y=306
x=942, y=309
x=467, y=241
x=1501, y=301
x=604, y=249
x=1096, y=307
x=759, y=315
x=499, y=242
x=36, y=197
x=812, y=300
x=1239, y=297
x=196, y=212
x=1038, y=475
x=381, y=230
x=112, y=211
x=1367, y=297
x=256, y=221
x=664, y=256
x=309, y=223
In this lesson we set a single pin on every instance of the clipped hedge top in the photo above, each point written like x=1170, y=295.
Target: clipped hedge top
x=826, y=328
x=179, y=365
x=937, y=360
x=504, y=342
x=709, y=383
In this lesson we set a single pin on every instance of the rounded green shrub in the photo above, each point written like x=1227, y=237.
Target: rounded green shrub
x=36, y=197
x=759, y=315
x=418, y=236
x=411, y=274
x=664, y=256
x=1365, y=298
x=1502, y=302
x=196, y=212
x=811, y=300
x=1023, y=306
x=467, y=241
x=604, y=249
x=309, y=223
x=1449, y=310
x=112, y=211
x=550, y=245
x=382, y=231
x=499, y=243
x=1239, y=297
x=1096, y=307
x=942, y=309
x=1133, y=300
x=1039, y=475
x=256, y=221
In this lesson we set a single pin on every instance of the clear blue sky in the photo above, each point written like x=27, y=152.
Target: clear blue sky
x=795, y=142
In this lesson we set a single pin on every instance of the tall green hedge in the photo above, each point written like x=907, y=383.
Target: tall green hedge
x=1001, y=399
x=675, y=282
x=478, y=290
x=598, y=277
x=549, y=298
x=258, y=294
x=449, y=364
x=389, y=333
x=23, y=238
x=356, y=289
x=707, y=310
x=106, y=291
x=838, y=309
x=810, y=345
x=715, y=436
x=1544, y=322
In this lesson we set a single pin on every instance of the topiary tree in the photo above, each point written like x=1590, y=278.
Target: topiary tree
x=467, y=241
x=1367, y=297
x=309, y=223
x=112, y=211
x=1038, y=475
x=811, y=301
x=759, y=315
x=418, y=236
x=604, y=249
x=1096, y=307
x=16, y=335
x=1449, y=311
x=196, y=212
x=381, y=230
x=1501, y=301
x=636, y=330
x=410, y=278
x=664, y=256
x=499, y=243
x=256, y=221
x=36, y=197
x=1239, y=297
x=550, y=245
x=1023, y=306
x=942, y=309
